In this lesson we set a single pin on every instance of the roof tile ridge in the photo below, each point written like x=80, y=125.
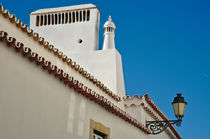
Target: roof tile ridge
x=134, y=96
x=137, y=96
x=154, y=116
x=70, y=81
x=126, y=97
x=58, y=53
x=149, y=111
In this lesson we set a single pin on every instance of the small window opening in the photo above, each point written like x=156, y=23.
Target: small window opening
x=99, y=131
x=80, y=12
x=56, y=19
x=84, y=15
x=70, y=18
x=45, y=19
x=63, y=18
x=59, y=18
x=80, y=41
x=49, y=19
x=73, y=17
x=37, y=20
x=41, y=23
x=52, y=19
x=77, y=16
x=88, y=15
x=66, y=17
x=98, y=135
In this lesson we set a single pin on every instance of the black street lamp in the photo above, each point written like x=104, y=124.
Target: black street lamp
x=179, y=107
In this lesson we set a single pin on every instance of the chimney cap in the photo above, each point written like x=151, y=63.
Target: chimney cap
x=109, y=23
x=64, y=9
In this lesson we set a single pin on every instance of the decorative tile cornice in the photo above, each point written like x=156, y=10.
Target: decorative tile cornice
x=70, y=81
x=127, y=97
x=151, y=113
x=12, y=18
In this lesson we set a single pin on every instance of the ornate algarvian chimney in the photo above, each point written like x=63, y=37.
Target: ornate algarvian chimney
x=109, y=28
x=74, y=30
x=70, y=29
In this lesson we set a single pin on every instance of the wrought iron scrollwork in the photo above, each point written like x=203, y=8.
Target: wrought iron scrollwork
x=158, y=126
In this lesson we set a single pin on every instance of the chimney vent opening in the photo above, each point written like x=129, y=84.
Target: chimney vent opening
x=80, y=41
x=63, y=18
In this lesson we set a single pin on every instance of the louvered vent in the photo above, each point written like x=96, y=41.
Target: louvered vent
x=63, y=18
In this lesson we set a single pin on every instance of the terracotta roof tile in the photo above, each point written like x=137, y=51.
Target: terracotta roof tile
x=151, y=113
x=57, y=52
x=69, y=80
x=127, y=97
x=156, y=109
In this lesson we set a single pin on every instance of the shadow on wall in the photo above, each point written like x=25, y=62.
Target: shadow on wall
x=76, y=114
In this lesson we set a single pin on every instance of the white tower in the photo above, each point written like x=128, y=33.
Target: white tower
x=74, y=30
x=70, y=29
x=109, y=28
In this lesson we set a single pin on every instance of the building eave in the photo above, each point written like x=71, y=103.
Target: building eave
x=150, y=112
x=12, y=18
x=70, y=81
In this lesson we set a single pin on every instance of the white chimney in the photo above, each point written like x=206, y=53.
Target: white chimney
x=75, y=31
x=109, y=28
x=70, y=29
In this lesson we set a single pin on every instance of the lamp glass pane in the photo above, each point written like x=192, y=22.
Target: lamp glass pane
x=176, y=109
x=181, y=109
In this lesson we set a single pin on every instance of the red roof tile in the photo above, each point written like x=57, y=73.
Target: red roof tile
x=69, y=80
x=57, y=52
x=156, y=109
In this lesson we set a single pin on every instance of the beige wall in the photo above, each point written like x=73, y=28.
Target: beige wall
x=21, y=36
x=36, y=105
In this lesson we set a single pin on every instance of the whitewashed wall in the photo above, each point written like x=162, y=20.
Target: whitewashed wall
x=21, y=36
x=105, y=65
x=66, y=36
x=36, y=105
x=135, y=109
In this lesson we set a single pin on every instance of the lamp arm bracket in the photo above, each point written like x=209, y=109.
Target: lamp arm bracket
x=158, y=126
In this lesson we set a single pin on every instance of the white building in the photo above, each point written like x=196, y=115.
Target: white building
x=45, y=94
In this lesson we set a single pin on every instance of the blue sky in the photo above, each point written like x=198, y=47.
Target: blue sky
x=165, y=47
